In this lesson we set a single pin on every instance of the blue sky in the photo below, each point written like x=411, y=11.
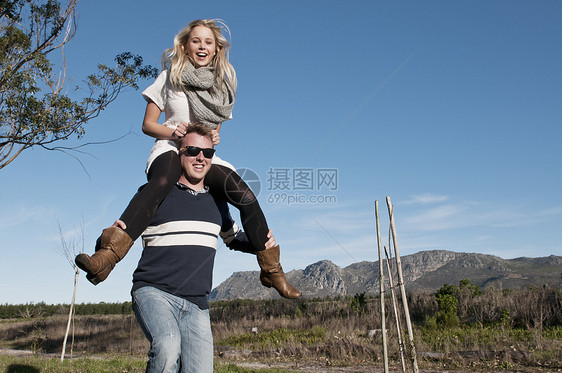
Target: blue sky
x=450, y=108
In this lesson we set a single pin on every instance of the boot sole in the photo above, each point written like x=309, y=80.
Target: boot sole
x=83, y=263
x=93, y=279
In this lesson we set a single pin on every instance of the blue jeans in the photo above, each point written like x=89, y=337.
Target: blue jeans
x=179, y=332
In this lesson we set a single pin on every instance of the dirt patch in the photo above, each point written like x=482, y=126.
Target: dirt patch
x=12, y=352
x=302, y=367
x=318, y=368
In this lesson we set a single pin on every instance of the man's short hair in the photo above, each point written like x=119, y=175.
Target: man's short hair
x=199, y=129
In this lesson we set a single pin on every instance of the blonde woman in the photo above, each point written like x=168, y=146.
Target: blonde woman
x=197, y=85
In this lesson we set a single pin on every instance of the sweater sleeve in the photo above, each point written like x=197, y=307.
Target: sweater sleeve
x=231, y=234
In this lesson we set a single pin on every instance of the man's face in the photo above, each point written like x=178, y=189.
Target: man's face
x=194, y=168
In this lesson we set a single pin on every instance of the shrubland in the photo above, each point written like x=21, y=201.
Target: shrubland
x=458, y=326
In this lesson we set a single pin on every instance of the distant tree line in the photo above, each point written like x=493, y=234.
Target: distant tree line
x=466, y=303
x=451, y=305
x=35, y=310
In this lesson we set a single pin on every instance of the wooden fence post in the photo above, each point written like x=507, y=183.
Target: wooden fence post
x=402, y=288
x=395, y=308
x=381, y=278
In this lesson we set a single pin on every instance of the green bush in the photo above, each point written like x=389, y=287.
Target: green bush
x=447, y=314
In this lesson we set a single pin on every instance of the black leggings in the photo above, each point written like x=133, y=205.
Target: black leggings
x=162, y=176
x=223, y=182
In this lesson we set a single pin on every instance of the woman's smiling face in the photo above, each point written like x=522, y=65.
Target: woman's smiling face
x=201, y=46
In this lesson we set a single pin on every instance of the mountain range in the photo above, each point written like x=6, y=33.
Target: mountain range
x=425, y=270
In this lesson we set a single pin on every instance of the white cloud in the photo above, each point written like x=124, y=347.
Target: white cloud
x=424, y=199
x=25, y=215
x=439, y=218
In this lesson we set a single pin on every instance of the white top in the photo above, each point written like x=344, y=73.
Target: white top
x=174, y=104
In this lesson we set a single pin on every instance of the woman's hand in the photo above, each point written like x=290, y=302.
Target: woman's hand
x=216, y=137
x=121, y=224
x=271, y=242
x=180, y=131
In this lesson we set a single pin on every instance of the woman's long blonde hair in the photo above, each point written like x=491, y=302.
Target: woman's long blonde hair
x=175, y=58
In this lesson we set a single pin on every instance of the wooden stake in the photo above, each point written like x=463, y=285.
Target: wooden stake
x=402, y=289
x=395, y=308
x=381, y=278
x=70, y=315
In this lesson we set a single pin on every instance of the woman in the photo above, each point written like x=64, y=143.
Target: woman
x=196, y=67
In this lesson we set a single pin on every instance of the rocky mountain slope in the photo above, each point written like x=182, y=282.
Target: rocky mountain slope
x=425, y=270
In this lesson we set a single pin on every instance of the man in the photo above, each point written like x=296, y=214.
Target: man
x=174, y=274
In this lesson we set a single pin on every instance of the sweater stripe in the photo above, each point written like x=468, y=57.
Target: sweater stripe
x=182, y=233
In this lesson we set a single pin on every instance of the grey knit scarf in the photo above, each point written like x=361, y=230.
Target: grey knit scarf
x=210, y=104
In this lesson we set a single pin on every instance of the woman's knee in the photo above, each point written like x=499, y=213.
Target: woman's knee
x=165, y=182
x=231, y=185
x=165, y=170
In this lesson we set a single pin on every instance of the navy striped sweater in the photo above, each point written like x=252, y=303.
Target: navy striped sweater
x=180, y=244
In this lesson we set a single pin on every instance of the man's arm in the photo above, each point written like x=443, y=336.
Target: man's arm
x=233, y=237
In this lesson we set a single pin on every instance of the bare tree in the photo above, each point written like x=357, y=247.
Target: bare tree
x=68, y=250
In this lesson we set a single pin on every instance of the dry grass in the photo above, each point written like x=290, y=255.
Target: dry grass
x=119, y=334
x=321, y=332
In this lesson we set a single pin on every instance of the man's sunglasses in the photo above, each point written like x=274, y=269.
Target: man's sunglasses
x=193, y=151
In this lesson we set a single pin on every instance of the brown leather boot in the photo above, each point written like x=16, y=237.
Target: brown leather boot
x=272, y=274
x=111, y=247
